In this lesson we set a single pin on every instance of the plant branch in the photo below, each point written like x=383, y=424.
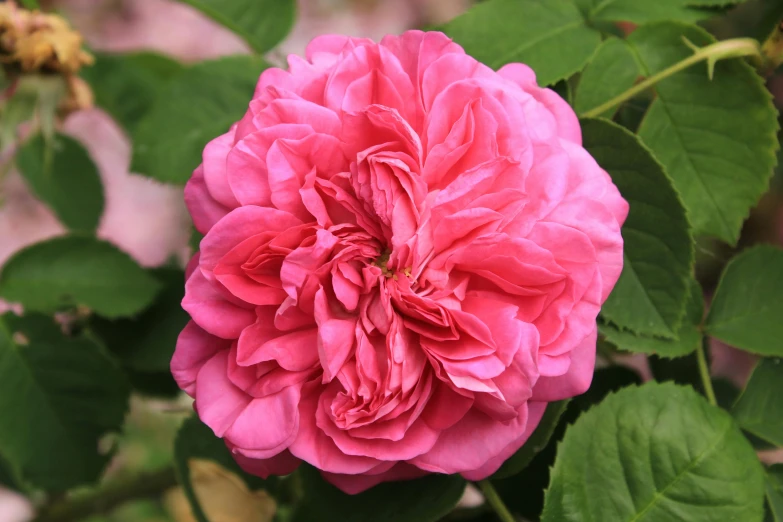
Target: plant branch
x=734, y=48
x=144, y=485
x=494, y=500
x=772, y=50
x=704, y=372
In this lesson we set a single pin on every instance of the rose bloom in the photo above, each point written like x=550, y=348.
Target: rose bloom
x=405, y=254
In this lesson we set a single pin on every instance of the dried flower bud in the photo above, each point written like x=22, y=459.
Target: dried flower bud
x=31, y=41
x=79, y=97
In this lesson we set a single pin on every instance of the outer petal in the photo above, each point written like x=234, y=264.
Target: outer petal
x=535, y=412
x=204, y=209
x=212, y=310
x=281, y=464
x=567, y=121
x=195, y=347
x=353, y=484
x=457, y=450
x=214, y=164
x=576, y=380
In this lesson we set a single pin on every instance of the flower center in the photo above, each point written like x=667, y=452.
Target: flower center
x=383, y=263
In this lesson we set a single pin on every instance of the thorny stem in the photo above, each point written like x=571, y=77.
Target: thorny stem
x=104, y=499
x=704, y=372
x=494, y=500
x=734, y=48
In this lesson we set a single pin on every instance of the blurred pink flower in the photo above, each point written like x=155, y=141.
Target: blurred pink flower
x=165, y=26
x=14, y=507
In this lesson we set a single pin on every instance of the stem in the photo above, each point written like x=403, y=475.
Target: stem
x=494, y=500
x=772, y=50
x=144, y=485
x=734, y=48
x=704, y=371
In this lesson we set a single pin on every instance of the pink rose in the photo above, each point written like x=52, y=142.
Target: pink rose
x=405, y=254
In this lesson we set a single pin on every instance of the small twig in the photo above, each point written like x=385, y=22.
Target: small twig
x=109, y=496
x=704, y=372
x=734, y=48
x=494, y=500
x=772, y=50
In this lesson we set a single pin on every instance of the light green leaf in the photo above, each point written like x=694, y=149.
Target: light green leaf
x=146, y=343
x=126, y=85
x=716, y=138
x=426, y=499
x=658, y=452
x=774, y=489
x=643, y=11
x=196, y=106
x=58, y=397
x=73, y=270
x=548, y=35
x=612, y=70
x=650, y=296
x=759, y=409
x=63, y=176
x=195, y=440
x=261, y=23
x=713, y=3
x=747, y=310
x=17, y=109
x=537, y=441
x=689, y=336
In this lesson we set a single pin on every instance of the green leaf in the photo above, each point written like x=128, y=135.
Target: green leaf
x=196, y=440
x=146, y=343
x=611, y=71
x=62, y=396
x=650, y=296
x=774, y=490
x=153, y=384
x=169, y=140
x=261, y=23
x=63, y=176
x=713, y=3
x=35, y=327
x=658, y=452
x=537, y=442
x=759, y=409
x=126, y=85
x=548, y=35
x=523, y=493
x=747, y=309
x=643, y=11
x=426, y=499
x=716, y=138
x=689, y=336
x=73, y=270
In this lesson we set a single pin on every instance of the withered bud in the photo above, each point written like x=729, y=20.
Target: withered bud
x=79, y=97
x=37, y=42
